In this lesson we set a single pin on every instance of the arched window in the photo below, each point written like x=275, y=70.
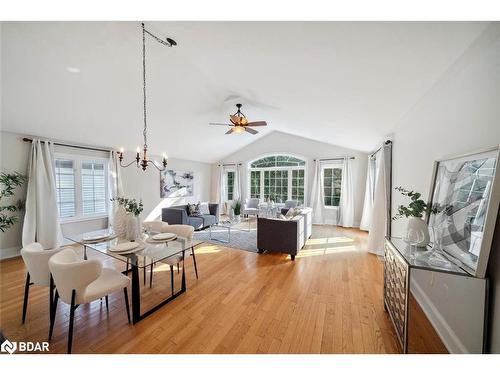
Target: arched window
x=277, y=177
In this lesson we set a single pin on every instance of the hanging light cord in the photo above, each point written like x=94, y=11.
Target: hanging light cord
x=144, y=133
x=144, y=163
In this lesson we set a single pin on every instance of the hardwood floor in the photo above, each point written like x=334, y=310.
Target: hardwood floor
x=328, y=301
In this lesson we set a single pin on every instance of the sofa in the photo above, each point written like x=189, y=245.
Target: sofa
x=281, y=236
x=307, y=213
x=179, y=215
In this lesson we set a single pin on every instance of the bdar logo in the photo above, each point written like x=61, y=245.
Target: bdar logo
x=8, y=347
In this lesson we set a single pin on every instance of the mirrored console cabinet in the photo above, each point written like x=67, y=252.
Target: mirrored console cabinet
x=402, y=261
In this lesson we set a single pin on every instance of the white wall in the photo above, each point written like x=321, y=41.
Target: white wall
x=13, y=158
x=137, y=184
x=145, y=185
x=278, y=142
x=461, y=113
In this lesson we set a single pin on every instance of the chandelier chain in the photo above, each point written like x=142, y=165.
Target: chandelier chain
x=144, y=133
x=144, y=162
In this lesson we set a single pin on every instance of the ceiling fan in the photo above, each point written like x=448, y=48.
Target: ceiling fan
x=240, y=124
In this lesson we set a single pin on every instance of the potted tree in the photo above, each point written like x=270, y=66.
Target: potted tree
x=8, y=183
x=237, y=210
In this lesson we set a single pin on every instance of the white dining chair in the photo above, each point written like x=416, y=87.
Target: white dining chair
x=36, y=260
x=83, y=281
x=184, y=231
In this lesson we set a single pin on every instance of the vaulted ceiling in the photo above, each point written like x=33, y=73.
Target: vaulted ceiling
x=345, y=83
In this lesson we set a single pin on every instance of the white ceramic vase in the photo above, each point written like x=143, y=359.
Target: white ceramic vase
x=237, y=218
x=417, y=231
x=133, y=227
x=119, y=223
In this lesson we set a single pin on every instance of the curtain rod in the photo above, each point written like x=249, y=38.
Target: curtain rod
x=350, y=157
x=386, y=143
x=70, y=145
x=228, y=165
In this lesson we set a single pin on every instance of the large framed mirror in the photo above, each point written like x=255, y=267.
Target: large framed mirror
x=465, y=197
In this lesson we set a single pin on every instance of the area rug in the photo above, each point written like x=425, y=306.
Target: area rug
x=241, y=237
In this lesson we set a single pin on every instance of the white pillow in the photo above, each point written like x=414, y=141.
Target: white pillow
x=204, y=208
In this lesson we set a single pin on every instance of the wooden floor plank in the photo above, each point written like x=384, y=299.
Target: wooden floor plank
x=329, y=300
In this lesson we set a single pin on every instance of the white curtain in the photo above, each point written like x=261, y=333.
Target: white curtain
x=346, y=196
x=114, y=186
x=41, y=220
x=380, y=216
x=366, y=218
x=220, y=191
x=317, y=197
x=237, y=183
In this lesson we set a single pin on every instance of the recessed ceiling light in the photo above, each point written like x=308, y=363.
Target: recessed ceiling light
x=72, y=69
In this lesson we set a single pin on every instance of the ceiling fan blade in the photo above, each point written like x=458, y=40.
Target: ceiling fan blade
x=235, y=119
x=230, y=131
x=257, y=123
x=219, y=123
x=251, y=131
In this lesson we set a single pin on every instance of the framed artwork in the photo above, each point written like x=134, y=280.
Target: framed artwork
x=176, y=184
x=465, y=195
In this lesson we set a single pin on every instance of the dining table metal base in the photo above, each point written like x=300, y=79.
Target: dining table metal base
x=137, y=316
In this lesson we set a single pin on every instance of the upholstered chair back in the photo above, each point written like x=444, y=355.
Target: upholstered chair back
x=36, y=260
x=70, y=274
x=291, y=204
x=185, y=231
x=252, y=203
x=156, y=226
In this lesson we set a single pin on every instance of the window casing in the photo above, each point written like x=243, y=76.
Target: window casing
x=331, y=176
x=277, y=177
x=82, y=187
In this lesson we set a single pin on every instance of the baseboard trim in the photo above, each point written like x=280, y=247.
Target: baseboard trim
x=10, y=252
x=444, y=331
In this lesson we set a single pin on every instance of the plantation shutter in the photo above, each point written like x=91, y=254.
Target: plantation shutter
x=93, y=188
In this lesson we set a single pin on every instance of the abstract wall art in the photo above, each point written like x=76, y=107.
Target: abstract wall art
x=176, y=183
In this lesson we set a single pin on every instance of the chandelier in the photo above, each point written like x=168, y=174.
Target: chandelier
x=143, y=161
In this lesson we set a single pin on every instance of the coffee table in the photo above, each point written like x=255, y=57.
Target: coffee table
x=225, y=226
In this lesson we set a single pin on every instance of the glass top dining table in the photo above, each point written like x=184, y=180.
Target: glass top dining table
x=148, y=251
x=147, y=254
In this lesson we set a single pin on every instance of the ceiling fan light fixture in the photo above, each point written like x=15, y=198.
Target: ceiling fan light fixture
x=239, y=129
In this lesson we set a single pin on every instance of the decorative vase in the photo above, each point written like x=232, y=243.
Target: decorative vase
x=119, y=223
x=417, y=231
x=231, y=214
x=237, y=218
x=133, y=227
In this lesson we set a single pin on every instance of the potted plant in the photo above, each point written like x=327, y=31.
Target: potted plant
x=8, y=183
x=416, y=230
x=237, y=210
x=133, y=209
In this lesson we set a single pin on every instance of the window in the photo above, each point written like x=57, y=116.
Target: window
x=93, y=188
x=230, y=185
x=81, y=186
x=277, y=177
x=332, y=179
x=65, y=187
x=254, y=184
x=298, y=185
x=276, y=185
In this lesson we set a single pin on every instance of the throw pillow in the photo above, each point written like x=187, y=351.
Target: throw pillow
x=204, y=208
x=290, y=213
x=194, y=209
